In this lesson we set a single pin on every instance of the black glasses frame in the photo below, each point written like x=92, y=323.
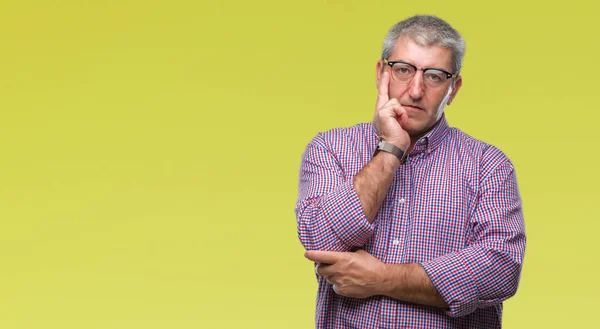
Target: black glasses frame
x=448, y=74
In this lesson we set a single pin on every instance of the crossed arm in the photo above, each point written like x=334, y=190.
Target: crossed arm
x=361, y=275
x=483, y=274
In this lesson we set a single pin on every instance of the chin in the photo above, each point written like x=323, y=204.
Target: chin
x=418, y=129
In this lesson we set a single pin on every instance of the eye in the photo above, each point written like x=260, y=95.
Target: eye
x=435, y=76
x=403, y=69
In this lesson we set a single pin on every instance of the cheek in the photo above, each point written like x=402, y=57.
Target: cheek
x=396, y=92
x=433, y=101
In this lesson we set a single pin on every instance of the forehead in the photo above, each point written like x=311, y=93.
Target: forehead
x=422, y=56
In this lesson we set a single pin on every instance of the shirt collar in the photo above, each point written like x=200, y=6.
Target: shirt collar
x=432, y=139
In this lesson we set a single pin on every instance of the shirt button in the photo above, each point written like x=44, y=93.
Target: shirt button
x=396, y=242
x=402, y=201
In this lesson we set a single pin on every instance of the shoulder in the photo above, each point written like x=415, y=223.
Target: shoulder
x=487, y=157
x=344, y=136
x=349, y=147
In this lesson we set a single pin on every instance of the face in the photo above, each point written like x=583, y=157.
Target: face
x=424, y=105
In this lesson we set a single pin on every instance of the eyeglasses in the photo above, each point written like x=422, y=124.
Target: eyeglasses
x=403, y=72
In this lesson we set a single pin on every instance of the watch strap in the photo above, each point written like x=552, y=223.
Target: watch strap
x=393, y=149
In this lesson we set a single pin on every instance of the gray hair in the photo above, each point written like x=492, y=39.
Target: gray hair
x=427, y=30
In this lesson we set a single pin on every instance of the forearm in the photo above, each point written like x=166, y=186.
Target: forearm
x=410, y=283
x=329, y=213
x=486, y=272
x=373, y=182
x=333, y=221
x=335, y=212
x=480, y=275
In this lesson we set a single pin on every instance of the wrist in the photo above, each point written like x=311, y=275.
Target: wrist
x=398, y=143
x=393, y=278
x=389, y=157
x=386, y=284
x=390, y=148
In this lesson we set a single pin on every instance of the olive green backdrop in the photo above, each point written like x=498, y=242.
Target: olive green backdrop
x=150, y=151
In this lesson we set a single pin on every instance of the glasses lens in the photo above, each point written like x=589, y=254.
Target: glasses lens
x=434, y=78
x=403, y=72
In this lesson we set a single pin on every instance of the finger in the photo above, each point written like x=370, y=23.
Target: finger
x=319, y=268
x=326, y=257
x=331, y=280
x=401, y=115
x=325, y=270
x=389, y=109
x=390, y=103
x=382, y=87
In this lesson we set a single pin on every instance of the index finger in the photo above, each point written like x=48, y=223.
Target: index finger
x=382, y=87
x=325, y=257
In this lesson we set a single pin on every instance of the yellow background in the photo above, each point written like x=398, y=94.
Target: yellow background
x=150, y=151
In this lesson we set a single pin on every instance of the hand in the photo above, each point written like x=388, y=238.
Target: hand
x=352, y=274
x=390, y=116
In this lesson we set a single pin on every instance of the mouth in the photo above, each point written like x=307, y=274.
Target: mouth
x=412, y=107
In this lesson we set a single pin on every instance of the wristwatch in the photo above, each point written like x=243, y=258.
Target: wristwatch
x=391, y=148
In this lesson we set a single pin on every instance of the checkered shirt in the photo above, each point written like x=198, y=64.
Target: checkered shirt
x=454, y=208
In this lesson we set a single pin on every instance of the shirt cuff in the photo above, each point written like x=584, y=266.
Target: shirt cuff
x=451, y=276
x=346, y=217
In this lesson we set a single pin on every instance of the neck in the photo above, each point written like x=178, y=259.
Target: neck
x=415, y=138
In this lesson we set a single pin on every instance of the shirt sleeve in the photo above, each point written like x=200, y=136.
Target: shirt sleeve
x=329, y=214
x=488, y=271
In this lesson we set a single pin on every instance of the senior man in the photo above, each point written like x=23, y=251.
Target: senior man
x=411, y=223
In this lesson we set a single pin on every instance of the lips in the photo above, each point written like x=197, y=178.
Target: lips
x=411, y=107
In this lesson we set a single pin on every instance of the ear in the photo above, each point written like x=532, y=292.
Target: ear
x=455, y=90
x=379, y=71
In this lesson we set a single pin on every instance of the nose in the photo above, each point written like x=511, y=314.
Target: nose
x=415, y=87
